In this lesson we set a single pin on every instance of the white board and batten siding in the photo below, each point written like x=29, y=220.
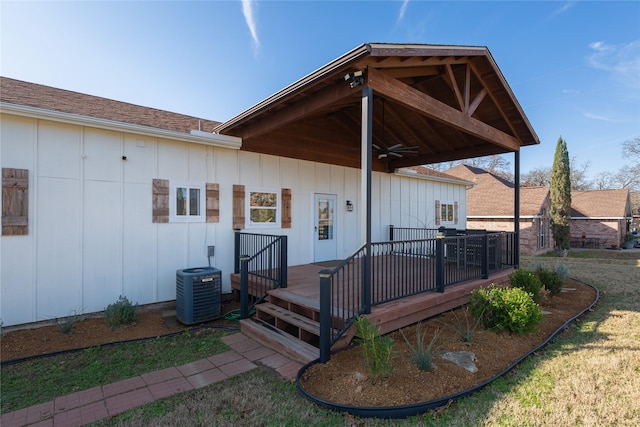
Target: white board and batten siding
x=91, y=237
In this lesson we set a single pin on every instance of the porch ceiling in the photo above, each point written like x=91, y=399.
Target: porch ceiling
x=449, y=102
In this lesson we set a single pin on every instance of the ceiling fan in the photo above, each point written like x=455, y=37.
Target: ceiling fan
x=397, y=150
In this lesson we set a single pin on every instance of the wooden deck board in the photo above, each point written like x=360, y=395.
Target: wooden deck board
x=303, y=291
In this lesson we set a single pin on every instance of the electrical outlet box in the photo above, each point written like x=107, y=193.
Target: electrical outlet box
x=210, y=250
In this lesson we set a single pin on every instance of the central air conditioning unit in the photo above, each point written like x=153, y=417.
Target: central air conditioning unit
x=198, y=295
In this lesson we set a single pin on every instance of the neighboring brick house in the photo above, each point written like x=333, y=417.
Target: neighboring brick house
x=490, y=207
x=600, y=218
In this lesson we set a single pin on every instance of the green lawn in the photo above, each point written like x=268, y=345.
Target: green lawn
x=589, y=375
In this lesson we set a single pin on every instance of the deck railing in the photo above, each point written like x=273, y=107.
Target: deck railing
x=408, y=233
x=261, y=260
x=404, y=268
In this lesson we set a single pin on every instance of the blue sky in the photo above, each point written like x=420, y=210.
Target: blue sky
x=574, y=66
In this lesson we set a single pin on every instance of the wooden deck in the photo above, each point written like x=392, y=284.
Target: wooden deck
x=289, y=320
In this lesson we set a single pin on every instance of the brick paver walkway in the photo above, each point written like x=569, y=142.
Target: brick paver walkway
x=100, y=402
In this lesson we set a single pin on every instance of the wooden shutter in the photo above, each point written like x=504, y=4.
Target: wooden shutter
x=455, y=212
x=15, y=202
x=213, y=202
x=160, y=200
x=437, y=212
x=238, y=207
x=286, y=208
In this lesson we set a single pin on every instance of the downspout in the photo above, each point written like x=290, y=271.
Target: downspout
x=516, y=207
x=365, y=168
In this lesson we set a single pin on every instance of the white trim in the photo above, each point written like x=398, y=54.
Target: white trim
x=444, y=221
x=173, y=216
x=196, y=137
x=247, y=208
x=415, y=174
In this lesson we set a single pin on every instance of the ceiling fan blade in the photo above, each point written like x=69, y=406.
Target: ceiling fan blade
x=394, y=153
x=395, y=147
x=382, y=156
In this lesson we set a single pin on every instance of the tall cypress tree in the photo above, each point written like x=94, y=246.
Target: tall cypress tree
x=560, y=195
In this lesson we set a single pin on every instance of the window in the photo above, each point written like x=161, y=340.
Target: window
x=262, y=208
x=446, y=212
x=187, y=203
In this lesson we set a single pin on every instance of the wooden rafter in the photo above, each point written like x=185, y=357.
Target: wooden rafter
x=297, y=110
x=437, y=110
x=492, y=97
x=454, y=85
x=446, y=156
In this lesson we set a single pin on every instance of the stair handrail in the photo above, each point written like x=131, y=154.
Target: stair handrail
x=328, y=334
x=272, y=275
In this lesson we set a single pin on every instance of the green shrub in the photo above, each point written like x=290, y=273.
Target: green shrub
x=511, y=309
x=552, y=280
x=66, y=324
x=465, y=327
x=377, y=351
x=527, y=281
x=121, y=313
x=423, y=353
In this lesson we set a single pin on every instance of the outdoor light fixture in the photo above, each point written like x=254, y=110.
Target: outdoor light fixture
x=349, y=206
x=356, y=78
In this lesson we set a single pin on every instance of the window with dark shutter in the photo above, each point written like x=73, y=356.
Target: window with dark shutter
x=15, y=202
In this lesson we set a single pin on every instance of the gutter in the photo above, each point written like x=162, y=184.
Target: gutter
x=415, y=174
x=195, y=137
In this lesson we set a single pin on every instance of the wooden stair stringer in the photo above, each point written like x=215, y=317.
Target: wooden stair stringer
x=278, y=340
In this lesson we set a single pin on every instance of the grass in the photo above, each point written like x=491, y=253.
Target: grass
x=60, y=375
x=589, y=375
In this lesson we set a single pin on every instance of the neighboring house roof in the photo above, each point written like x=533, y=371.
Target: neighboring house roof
x=53, y=99
x=493, y=196
x=601, y=203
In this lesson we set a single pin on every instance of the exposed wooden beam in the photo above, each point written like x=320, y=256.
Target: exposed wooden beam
x=437, y=110
x=454, y=85
x=476, y=101
x=484, y=83
x=299, y=109
x=446, y=156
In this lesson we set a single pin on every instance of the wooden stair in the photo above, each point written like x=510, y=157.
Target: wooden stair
x=289, y=323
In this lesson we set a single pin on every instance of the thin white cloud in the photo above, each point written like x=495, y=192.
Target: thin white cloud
x=403, y=9
x=248, y=10
x=621, y=60
x=602, y=117
x=562, y=9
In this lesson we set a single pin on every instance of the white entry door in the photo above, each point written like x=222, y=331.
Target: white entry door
x=325, y=246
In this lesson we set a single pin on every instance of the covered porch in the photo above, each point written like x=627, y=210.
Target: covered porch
x=381, y=107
